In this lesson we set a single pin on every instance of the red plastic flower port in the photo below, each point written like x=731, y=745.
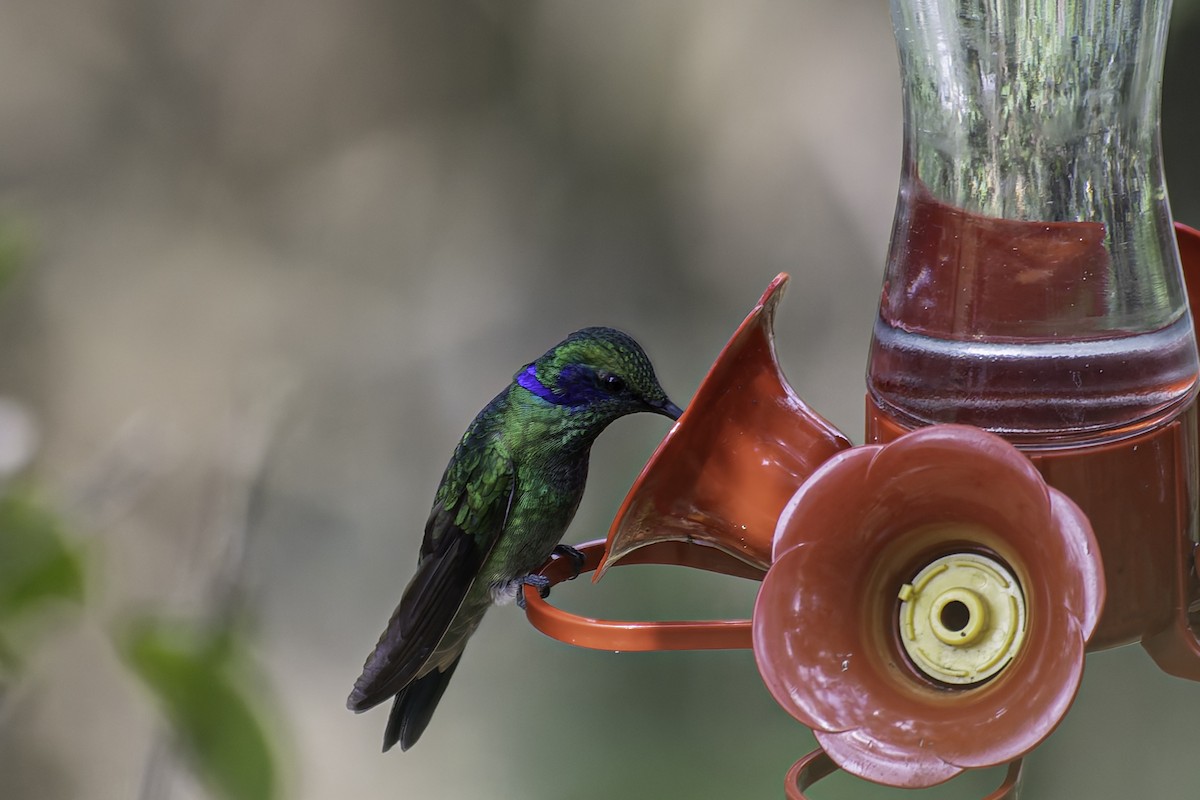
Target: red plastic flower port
x=928, y=606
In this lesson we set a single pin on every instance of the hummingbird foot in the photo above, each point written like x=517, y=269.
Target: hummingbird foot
x=539, y=582
x=578, y=559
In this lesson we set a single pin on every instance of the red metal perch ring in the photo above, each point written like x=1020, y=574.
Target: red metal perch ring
x=604, y=634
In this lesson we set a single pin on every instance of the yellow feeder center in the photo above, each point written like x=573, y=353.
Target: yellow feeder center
x=962, y=619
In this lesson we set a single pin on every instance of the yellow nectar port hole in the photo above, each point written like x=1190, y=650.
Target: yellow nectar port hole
x=955, y=616
x=962, y=618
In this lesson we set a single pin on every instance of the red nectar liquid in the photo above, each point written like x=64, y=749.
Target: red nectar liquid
x=1020, y=328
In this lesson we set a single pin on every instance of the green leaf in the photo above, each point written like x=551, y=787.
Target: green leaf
x=38, y=563
x=14, y=250
x=195, y=676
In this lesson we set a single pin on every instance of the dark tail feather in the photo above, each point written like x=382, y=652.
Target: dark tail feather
x=414, y=707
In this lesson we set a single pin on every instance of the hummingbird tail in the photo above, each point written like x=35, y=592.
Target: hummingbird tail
x=413, y=708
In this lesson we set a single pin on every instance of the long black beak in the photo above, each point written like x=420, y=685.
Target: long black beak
x=669, y=409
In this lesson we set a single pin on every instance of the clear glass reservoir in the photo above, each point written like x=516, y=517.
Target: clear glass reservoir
x=1033, y=284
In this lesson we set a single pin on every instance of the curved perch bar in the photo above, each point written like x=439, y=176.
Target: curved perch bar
x=603, y=634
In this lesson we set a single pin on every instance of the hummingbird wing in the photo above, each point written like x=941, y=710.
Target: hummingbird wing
x=468, y=516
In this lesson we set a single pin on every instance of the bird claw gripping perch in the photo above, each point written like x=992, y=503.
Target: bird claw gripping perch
x=577, y=559
x=539, y=582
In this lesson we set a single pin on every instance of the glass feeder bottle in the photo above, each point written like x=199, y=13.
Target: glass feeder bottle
x=1033, y=284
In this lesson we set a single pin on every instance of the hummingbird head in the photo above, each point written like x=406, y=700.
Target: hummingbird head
x=598, y=371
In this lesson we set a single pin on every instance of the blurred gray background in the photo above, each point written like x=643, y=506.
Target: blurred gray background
x=283, y=251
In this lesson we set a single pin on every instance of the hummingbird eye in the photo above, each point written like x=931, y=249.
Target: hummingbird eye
x=612, y=383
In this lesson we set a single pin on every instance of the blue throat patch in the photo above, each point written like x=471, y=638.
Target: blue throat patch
x=529, y=380
x=576, y=386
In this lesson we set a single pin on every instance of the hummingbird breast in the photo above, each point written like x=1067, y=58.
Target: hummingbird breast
x=546, y=501
x=543, y=508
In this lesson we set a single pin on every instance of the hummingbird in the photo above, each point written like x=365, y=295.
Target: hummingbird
x=504, y=502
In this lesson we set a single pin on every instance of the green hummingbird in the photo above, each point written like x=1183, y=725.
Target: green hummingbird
x=504, y=502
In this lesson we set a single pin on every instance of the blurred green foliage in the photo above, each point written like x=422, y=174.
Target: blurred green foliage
x=200, y=677
x=14, y=247
x=39, y=565
x=197, y=675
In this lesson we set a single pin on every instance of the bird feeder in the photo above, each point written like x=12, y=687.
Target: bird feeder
x=1028, y=490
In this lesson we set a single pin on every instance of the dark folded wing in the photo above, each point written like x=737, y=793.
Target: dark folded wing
x=472, y=507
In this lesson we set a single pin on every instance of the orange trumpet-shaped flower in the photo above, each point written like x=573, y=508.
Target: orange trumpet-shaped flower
x=745, y=443
x=928, y=606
